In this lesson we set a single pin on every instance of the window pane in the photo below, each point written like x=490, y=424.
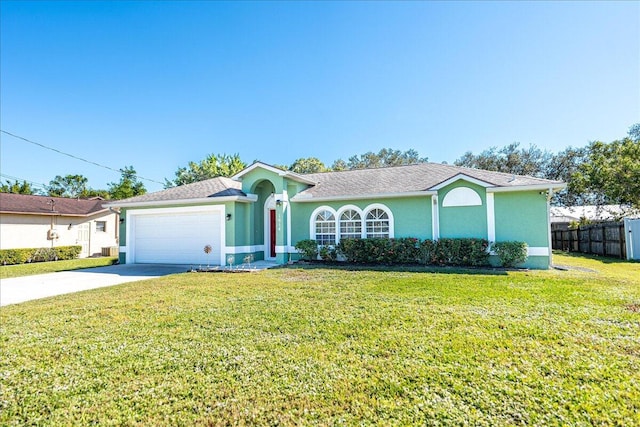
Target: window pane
x=350, y=225
x=325, y=225
x=377, y=224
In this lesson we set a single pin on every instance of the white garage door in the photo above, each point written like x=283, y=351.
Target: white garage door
x=177, y=238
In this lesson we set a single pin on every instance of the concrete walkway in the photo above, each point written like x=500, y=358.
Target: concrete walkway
x=27, y=288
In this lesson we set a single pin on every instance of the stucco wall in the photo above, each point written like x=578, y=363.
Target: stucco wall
x=522, y=216
x=30, y=231
x=463, y=221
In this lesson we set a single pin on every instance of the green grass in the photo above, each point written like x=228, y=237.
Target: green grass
x=332, y=347
x=8, y=271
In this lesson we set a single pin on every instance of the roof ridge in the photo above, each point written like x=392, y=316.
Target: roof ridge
x=460, y=169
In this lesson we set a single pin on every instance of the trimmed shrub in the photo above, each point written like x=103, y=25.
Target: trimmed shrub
x=15, y=256
x=427, y=251
x=328, y=253
x=44, y=255
x=68, y=252
x=405, y=250
x=510, y=253
x=409, y=250
x=308, y=248
x=24, y=255
x=463, y=251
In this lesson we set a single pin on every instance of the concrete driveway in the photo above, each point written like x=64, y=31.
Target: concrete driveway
x=20, y=289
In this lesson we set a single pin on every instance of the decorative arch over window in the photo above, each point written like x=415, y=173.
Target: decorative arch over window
x=462, y=196
x=324, y=226
x=350, y=224
x=378, y=222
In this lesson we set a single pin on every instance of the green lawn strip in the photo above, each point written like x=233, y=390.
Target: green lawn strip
x=8, y=271
x=325, y=346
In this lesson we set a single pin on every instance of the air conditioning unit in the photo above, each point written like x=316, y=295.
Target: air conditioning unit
x=52, y=234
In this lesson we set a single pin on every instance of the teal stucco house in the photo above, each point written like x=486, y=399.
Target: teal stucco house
x=263, y=211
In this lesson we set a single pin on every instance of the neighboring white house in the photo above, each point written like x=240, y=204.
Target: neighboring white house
x=562, y=216
x=28, y=221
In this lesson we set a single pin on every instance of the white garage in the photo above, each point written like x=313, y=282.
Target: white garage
x=175, y=235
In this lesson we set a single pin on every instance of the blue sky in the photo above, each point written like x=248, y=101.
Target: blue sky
x=157, y=84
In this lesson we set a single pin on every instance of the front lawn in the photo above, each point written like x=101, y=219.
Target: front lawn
x=321, y=346
x=7, y=271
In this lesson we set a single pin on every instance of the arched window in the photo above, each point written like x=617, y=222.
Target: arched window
x=377, y=223
x=325, y=225
x=350, y=224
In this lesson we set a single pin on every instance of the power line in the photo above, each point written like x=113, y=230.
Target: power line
x=74, y=157
x=15, y=178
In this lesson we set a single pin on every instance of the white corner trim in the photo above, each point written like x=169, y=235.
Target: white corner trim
x=491, y=218
x=243, y=249
x=462, y=177
x=461, y=196
x=435, y=218
x=537, y=251
x=531, y=251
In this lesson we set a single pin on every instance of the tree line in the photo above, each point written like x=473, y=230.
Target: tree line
x=77, y=187
x=599, y=173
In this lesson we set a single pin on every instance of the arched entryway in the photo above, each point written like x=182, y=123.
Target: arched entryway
x=265, y=218
x=270, y=228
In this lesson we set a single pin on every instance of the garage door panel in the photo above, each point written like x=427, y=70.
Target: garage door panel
x=177, y=238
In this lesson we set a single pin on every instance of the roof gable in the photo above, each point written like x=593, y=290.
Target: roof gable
x=462, y=177
x=287, y=174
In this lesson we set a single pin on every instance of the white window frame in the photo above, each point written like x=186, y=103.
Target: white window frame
x=104, y=229
x=386, y=210
x=363, y=216
x=312, y=223
x=341, y=211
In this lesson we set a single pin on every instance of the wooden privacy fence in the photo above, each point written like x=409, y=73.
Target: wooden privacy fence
x=606, y=239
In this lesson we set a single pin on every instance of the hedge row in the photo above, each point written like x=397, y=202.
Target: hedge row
x=409, y=250
x=24, y=255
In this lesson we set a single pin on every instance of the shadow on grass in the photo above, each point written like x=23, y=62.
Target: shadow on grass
x=602, y=259
x=138, y=270
x=306, y=265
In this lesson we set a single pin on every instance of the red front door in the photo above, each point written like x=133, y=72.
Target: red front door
x=272, y=233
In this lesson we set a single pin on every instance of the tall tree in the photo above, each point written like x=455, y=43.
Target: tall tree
x=73, y=186
x=384, y=157
x=308, y=165
x=561, y=167
x=129, y=185
x=68, y=186
x=634, y=132
x=339, y=165
x=510, y=159
x=212, y=166
x=611, y=173
x=16, y=187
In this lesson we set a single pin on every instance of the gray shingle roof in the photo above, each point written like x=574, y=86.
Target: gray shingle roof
x=359, y=183
x=405, y=179
x=215, y=187
x=46, y=205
